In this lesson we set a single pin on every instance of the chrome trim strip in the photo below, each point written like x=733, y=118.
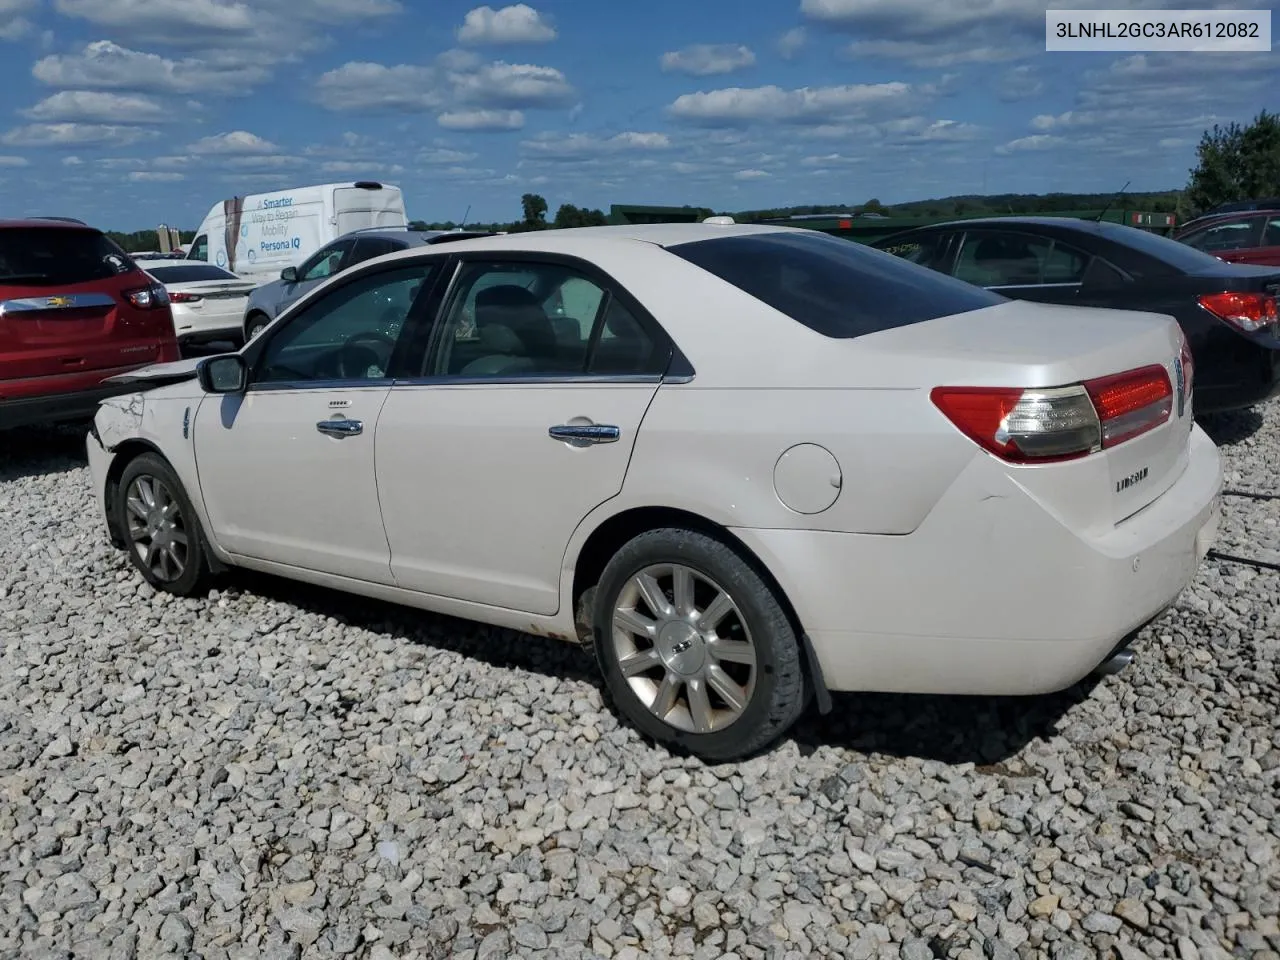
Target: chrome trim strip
x=549, y=380
x=56, y=301
x=1031, y=286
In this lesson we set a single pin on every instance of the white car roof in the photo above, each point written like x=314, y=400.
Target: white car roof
x=581, y=240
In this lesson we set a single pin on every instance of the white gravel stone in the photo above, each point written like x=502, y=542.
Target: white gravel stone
x=273, y=771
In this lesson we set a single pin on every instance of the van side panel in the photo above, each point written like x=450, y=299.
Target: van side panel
x=356, y=208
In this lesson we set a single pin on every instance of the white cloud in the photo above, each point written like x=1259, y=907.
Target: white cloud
x=583, y=146
x=931, y=53
x=513, y=86
x=90, y=106
x=374, y=86
x=518, y=23
x=751, y=175
x=708, y=59
x=104, y=65
x=481, y=120
x=153, y=176
x=263, y=162
x=10, y=161
x=236, y=142
x=259, y=31
x=456, y=82
x=355, y=168
x=1032, y=144
x=792, y=42
x=807, y=105
x=1020, y=83
x=72, y=161
x=443, y=155
x=74, y=135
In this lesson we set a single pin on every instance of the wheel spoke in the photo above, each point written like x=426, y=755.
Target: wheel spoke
x=634, y=622
x=640, y=662
x=137, y=507
x=152, y=553
x=175, y=561
x=732, y=651
x=729, y=691
x=665, y=699
x=716, y=611
x=653, y=596
x=179, y=537
x=699, y=705
x=682, y=590
x=146, y=492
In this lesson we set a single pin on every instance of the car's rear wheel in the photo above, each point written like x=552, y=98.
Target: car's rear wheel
x=696, y=648
x=161, y=531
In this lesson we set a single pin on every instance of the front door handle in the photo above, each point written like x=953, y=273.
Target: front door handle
x=584, y=434
x=340, y=427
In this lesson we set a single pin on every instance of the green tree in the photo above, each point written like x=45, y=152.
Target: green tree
x=570, y=216
x=535, y=212
x=1236, y=163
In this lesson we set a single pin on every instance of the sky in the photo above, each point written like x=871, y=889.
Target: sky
x=129, y=113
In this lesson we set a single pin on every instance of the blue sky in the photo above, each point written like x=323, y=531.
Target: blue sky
x=131, y=112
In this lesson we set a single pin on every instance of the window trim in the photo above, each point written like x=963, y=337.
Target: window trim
x=195, y=244
x=1052, y=240
x=1258, y=223
x=677, y=368
x=420, y=311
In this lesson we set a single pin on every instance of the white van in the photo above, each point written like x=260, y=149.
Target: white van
x=260, y=235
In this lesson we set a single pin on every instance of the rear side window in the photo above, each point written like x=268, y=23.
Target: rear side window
x=838, y=288
x=192, y=274
x=55, y=256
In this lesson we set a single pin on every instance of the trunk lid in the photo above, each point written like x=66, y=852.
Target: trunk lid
x=1027, y=345
x=63, y=305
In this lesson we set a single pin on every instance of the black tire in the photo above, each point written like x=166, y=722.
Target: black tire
x=193, y=578
x=779, y=694
x=256, y=323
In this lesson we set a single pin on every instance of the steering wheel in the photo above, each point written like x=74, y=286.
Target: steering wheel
x=355, y=360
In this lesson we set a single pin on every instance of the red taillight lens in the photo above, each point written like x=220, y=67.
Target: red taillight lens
x=1131, y=403
x=1249, y=312
x=148, y=298
x=1024, y=426
x=185, y=297
x=1045, y=425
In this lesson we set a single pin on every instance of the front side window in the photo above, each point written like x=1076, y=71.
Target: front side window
x=1271, y=232
x=369, y=247
x=538, y=319
x=348, y=333
x=1232, y=235
x=929, y=250
x=836, y=287
x=199, y=248
x=327, y=261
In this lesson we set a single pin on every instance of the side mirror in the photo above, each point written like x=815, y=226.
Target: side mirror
x=227, y=373
x=289, y=274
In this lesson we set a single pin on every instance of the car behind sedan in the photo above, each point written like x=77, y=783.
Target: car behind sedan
x=747, y=465
x=1227, y=311
x=208, y=302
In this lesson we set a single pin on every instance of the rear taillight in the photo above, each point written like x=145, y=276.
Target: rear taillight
x=148, y=298
x=1249, y=312
x=185, y=297
x=1046, y=425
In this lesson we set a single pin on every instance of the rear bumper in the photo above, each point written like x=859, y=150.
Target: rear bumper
x=991, y=595
x=1251, y=377
x=59, y=407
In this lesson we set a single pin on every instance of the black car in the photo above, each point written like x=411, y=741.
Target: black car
x=1227, y=311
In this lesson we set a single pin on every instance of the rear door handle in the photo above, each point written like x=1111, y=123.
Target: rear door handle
x=584, y=434
x=340, y=427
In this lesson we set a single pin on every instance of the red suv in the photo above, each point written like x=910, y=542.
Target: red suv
x=74, y=310
x=1251, y=236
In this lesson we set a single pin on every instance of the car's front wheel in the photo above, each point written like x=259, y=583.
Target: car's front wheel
x=161, y=530
x=257, y=323
x=695, y=646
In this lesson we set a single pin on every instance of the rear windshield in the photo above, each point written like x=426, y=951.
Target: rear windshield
x=1173, y=253
x=55, y=256
x=190, y=274
x=839, y=288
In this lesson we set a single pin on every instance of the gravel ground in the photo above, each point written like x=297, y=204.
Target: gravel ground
x=275, y=773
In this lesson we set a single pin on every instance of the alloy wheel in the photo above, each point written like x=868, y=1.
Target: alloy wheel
x=684, y=648
x=157, y=529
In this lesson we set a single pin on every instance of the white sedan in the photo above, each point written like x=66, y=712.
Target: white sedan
x=747, y=464
x=207, y=301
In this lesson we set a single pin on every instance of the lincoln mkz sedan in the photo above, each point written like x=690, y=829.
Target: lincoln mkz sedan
x=748, y=465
